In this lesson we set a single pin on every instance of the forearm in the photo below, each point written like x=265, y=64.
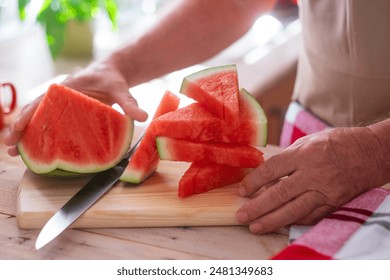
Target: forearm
x=190, y=33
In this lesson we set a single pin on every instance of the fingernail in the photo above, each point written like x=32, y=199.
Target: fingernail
x=242, y=217
x=241, y=191
x=256, y=228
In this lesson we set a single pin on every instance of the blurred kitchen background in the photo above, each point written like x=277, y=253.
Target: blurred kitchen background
x=266, y=56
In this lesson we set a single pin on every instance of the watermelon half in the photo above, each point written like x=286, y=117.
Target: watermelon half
x=71, y=133
x=145, y=160
x=216, y=89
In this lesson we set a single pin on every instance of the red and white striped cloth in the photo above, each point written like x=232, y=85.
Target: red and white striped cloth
x=358, y=230
x=299, y=122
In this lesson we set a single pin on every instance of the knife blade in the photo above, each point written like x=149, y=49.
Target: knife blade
x=99, y=185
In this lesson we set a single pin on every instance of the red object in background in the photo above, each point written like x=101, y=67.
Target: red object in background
x=286, y=3
x=3, y=109
x=286, y=11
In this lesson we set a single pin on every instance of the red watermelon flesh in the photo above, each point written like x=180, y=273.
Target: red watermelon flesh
x=203, y=176
x=221, y=153
x=216, y=89
x=252, y=129
x=145, y=160
x=195, y=123
x=192, y=122
x=73, y=132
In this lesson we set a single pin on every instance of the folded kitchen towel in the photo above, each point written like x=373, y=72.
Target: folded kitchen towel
x=299, y=122
x=358, y=230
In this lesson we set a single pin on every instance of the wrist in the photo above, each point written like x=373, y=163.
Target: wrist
x=375, y=156
x=116, y=62
x=357, y=155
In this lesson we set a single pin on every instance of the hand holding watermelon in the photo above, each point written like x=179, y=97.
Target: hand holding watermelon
x=105, y=82
x=16, y=129
x=100, y=80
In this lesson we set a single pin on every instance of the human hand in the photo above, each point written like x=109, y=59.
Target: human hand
x=100, y=80
x=310, y=179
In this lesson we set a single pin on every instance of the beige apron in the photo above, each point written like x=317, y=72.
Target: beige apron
x=344, y=65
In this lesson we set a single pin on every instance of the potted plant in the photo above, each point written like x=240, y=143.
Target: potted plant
x=60, y=17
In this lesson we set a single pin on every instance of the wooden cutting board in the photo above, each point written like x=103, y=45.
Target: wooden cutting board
x=152, y=204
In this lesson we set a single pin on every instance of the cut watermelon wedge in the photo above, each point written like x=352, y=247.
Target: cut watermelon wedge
x=145, y=160
x=195, y=123
x=216, y=89
x=203, y=176
x=192, y=122
x=221, y=153
x=71, y=133
x=253, y=122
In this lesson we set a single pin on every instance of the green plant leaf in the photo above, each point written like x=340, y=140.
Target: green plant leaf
x=54, y=15
x=81, y=10
x=22, y=5
x=112, y=11
x=46, y=4
x=55, y=30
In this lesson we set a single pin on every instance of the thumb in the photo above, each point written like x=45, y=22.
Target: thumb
x=130, y=106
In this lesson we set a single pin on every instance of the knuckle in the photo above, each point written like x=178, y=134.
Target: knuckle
x=316, y=215
x=131, y=100
x=298, y=209
x=250, y=182
x=280, y=193
x=266, y=171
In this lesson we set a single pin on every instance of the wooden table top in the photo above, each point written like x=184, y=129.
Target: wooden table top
x=214, y=242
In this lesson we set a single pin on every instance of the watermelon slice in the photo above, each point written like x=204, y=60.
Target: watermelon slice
x=221, y=153
x=192, y=122
x=253, y=122
x=71, y=132
x=145, y=160
x=195, y=123
x=216, y=89
x=203, y=176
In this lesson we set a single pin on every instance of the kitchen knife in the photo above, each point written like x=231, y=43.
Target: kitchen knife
x=83, y=200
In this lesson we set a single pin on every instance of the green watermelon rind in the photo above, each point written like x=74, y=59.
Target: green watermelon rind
x=53, y=168
x=260, y=116
x=135, y=173
x=205, y=73
x=59, y=173
x=136, y=176
x=161, y=144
